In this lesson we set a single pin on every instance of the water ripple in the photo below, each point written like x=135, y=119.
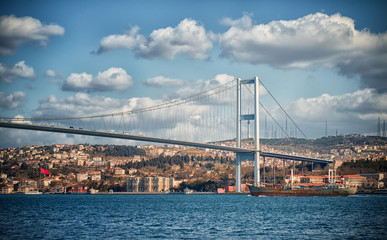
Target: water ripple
x=191, y=217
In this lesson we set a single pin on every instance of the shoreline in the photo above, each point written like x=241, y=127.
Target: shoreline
x=129, y=193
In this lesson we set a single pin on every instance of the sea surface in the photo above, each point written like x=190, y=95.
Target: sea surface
x=192, y=217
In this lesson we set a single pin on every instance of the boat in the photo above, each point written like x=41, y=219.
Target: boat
x=33, y=193
x=302, y=190
x=331, y=188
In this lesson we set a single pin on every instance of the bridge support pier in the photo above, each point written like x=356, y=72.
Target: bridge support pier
x=238, y=183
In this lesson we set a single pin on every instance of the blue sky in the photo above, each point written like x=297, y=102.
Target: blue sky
x=323, y=60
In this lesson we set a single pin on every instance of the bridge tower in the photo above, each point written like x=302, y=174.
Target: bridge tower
x=247, y=117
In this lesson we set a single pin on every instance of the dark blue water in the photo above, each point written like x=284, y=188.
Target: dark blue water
x=192, y=217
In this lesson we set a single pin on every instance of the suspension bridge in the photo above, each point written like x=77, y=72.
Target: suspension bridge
x=217, y=117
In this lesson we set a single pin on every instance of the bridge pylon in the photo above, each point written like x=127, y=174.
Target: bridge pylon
x=247, y=117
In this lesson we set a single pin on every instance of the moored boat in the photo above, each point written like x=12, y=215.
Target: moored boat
x=300, y=190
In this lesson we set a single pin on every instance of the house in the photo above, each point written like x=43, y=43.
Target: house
x=82, y=176
x=94, y=175
x=220, y=190
x=230, y=189
x=119, y=171
x=27, y=185
x=7, y=189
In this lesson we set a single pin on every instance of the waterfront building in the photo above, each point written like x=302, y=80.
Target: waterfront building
x=132, y=184
x=230, y=189
x=311, y=179
x=27, y=185
x=146, y=184
x=355, y=180
x=7, y=189
x=149, y=184
x=221, y=190
x=376, y=178
x=157, y=184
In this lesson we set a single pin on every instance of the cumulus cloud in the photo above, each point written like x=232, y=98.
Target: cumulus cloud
x=364, y=104
x=20, y=138
x=150, y=123
x=9, y=72
x=54, y=77
x=16, y=31
x=81, y=104
x=313, y=40
x=188, y=37
x=161, y=81
x=200, y=86
x=109, y=80
x=11, y=100
x=198, y=120
x=20, y=119
x=131, y=39
x=50, y=73
x=349, y=113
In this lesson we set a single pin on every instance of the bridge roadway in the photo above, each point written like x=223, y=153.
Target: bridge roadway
x=242, y=151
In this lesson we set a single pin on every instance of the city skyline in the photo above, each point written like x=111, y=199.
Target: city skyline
x=325, y=62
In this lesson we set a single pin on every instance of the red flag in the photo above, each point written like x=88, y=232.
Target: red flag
x=44, y=171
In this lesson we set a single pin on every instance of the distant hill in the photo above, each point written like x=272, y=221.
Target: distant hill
x=331, y=141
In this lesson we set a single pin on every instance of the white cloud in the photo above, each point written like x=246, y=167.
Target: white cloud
x=129, y=40
x=50, y=73
x=109, y=80
x=161, y=81
x=11, y=100
x=188, y=37
x=20, y=119
x=8, y=72
x=350, y=113
x=77, y=82
x=54, y=77
x=81, y=104
x=364, y=104
x=200, y=86
x=313, y=40
x=19, y=138
x=187, y=121
x=16, y=31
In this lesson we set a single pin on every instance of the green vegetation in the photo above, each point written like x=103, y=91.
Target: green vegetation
x=331, y=141
x=120, y=151
x=200, y=186
x=363, y=166
x=164, y=162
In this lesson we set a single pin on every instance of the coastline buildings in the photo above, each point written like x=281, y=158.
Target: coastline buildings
x=80, y=166
x=149, y=184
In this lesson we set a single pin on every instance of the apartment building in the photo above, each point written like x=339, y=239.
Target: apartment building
x=149, y=184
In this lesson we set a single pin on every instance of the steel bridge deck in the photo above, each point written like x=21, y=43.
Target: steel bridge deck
x=241, y=151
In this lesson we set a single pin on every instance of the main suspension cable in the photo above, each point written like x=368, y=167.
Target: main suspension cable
x=172, y=103
x=283, y=109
